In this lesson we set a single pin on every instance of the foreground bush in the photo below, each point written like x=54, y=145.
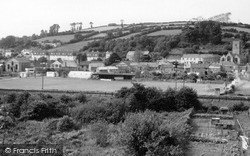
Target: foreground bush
x=66, y=124
x=146, y=134
x=99, y=130
x=112, y=111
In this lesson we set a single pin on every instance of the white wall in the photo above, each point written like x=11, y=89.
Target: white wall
x=80, y=74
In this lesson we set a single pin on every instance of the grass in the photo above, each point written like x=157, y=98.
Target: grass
x=166, y=32
x=102, y=28
x=98, y=35
x=62, y=38
x=92, y=85
x=71, y=47
x=237, y=28
x=128, y=36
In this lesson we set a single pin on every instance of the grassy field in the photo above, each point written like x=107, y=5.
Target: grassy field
x=102, y=28
x=98, y=35
x=237, y=28
x=62, y=38
x=92, y=85
x=166, y=32
x=128, y=36
x=71, y=47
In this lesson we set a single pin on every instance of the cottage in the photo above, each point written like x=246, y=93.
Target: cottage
x=215, y=67
x=229, y=66
x=57, y=64
x=17, y=65
x=83, y=66
x=63, y=55
x=94, y=65
x=173, y=58
x=123, y=66
x=95, y=55
x=69, y=64
x=189, y=59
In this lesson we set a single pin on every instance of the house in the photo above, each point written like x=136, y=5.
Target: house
x=8, y=52
x=202, y=68
x=95, y=55
x=123, y=66
x=37, y=53
x=17, y=65
x=229, y=66
x=167, y=68
x=107, y=69
x=189, y=59
x=26, y=52
x=69, y=64
x=83, y=66
x=94, y=65
x=173, y=58
x=215, y=67
x=56, y=64
x=135, y=56
x=63, y=55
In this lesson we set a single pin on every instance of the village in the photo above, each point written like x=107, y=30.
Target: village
x=178, y=66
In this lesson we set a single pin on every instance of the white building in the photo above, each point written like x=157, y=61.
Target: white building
x=64, y=55
x=188, y=59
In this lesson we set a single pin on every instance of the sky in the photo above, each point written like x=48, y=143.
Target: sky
x=26, y=17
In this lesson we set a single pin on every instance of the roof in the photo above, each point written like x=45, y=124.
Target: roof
x=130, y=53
x=227, y=63
x=215, y=65
x=199, y=55
x=201, y=65
x=20, y=59
x=176, y=51
x=69, y=63
x=173, y=57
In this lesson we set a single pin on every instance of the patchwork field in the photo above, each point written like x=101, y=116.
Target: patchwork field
x=62, y=38
x=165, y=32
x=92, y=85
x=71, y=47
x=98, y=35
x=237, y=28
x=102, y=28
x=128, y=36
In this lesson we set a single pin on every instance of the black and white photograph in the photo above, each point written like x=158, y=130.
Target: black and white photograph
x=124, y=78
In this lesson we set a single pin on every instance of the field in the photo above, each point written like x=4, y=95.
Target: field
x=128, y=36
x=165, y=32
x=237, y=28
x=102, y=28
x=62, y=38
x=92, y=85
x=71, y=47
x=98, y=35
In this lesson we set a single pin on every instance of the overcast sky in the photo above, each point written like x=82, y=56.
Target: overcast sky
x=25, y=17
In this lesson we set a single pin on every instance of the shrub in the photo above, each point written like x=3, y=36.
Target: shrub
x=144, y=133
x=66, y=99
x=99, y=130
x=65, y=124
x=187, y=98
x=10, y=98
x=81, y=97
x=239, y=107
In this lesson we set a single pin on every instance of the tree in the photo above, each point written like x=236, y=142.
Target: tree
x=91, y=24
x=54, y=29
x=112, y=59
x=42, y=60
x=244, y=38
x=122, y=23
x=81, y=57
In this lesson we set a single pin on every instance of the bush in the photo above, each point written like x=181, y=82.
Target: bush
x=239, y=107
x=187, y=98
x=81, y=97
x=145, y=134
x=10, y=98
x=99, y=130
x=66, y=99
x=65, y=124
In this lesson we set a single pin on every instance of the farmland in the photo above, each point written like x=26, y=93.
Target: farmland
x=100, y=35
x=128, y=36
x=62, y=38
x=166, y=32
x=71, y=47
x=237, y=28
x=102, y=28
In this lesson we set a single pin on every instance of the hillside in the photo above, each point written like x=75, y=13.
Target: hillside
x=166, y=32
x=102, y=28
x=237, y=28
x=62, y=38
x=71, y=47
